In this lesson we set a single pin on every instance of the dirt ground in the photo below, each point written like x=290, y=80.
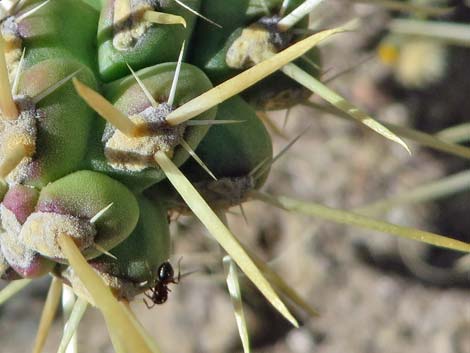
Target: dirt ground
x=374, y=293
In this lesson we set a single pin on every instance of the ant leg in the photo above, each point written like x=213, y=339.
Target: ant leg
x=149, y=306
x=150, y=273
x=178, y=278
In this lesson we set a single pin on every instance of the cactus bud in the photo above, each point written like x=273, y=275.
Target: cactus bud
x=124, y=36
x=66, y=207
x=130, y=159
x=53, y=125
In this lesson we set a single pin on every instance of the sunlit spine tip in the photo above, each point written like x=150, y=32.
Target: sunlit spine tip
x=183, y=5
x=297, y=15
x=105, y=109
x=30, y=12
x=171, y=97
x=164, y=18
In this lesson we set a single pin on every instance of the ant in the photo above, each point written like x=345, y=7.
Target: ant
x=165, y=276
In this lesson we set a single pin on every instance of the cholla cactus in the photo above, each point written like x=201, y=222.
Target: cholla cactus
x=87, y=201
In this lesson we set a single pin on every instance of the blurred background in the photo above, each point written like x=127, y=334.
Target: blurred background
x=374, y=293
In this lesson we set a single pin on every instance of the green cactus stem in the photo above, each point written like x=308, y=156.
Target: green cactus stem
x=52, y=31
x=67, y=207
x=211, y=42
x=53, y=124
x=126, y=37
x=134, y=267
x=130, y=158
x=238, y=154
x=248, y=38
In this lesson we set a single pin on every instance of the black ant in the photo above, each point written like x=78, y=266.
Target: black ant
x=165, y=276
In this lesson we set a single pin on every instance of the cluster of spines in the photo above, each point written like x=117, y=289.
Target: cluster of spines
x=56, y=155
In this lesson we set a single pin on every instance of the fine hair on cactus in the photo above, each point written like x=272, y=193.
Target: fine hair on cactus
x=143, y=141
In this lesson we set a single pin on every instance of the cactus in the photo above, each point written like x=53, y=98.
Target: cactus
x=238, y=154
x=87, y=200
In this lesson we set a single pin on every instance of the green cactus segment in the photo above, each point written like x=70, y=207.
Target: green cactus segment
x=71, y=205
x=137, y=42
x=140, y=255
x=249, y=36
x=211, y=43
x=60, y=29
x=231, y=152
x=130, y=159
x=55, y=130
